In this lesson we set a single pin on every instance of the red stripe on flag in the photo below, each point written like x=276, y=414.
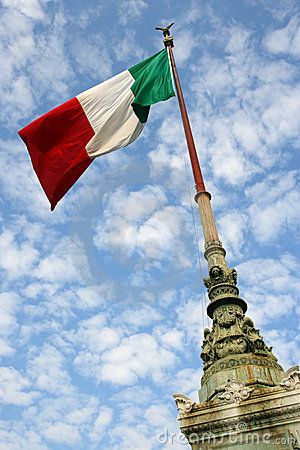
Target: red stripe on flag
x=56, y=144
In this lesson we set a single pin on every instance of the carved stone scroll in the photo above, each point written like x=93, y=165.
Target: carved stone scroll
x=184, y=404
x=235, y=392
x=292, y=381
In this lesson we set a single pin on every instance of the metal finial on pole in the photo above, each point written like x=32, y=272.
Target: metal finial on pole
x=168, y=41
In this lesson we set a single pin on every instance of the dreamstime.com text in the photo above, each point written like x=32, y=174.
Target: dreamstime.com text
x=239, y=437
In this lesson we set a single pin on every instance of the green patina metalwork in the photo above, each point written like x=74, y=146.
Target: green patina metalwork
x=233, y=349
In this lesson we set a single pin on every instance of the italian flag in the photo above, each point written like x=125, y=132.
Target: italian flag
x=63, y=142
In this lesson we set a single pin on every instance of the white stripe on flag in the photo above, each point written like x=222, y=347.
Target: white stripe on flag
x=109, y=111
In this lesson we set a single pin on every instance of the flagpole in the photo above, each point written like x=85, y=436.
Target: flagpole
x=221, y=283
x=202, y=197
x=198, y=177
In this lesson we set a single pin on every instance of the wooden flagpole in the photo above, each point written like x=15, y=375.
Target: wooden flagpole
x=199, y=182
x=202, y=197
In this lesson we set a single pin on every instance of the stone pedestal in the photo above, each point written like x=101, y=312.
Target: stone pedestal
x=246, y=400
x=244, y=417
x=253, y=370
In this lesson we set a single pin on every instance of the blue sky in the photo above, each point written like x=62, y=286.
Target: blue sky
x=102, y=305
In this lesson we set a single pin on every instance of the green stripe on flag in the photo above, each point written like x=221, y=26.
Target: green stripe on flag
x=153, y=83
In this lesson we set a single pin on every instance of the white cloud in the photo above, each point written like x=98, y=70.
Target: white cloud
x=137, y=204
x=172, y=339
x=9, y=304
x=142, y=395
x=266, y=308
x=129, y=10
x=275, y=209
x=18, y=437
x=18, y=33
x=30, y=8
x=128, y=49
x=136, y=356
x=272, y=187
x=156, y=428
x=141, y=317
x=83, y=413
x=167, y=298
x=66, y=263
x=101, y=424
x=280, y=117
x=95, y=295
x=246, y=133
x=275, y=219
x=286, y=347
x=50, y=54
x=48, y=371
x=238, y=40
x=14, y=386
x=214, y=80
x=92, y=58
x=95, y=337
x=270, y=287
x=187, y=381
x=192, y=14
x=280, y=10
x=36, y=289
x=5, y=348
x=20, y=94
x=157, y=236
x=18, y=255
x=30, y=59
x=63, y=419
x=170, y=161
x=126, y=437
x=62, y=433
x=139, y=223
x=247, y=106
x=227, y=162
x=232, y=227
x=32, y=330
x=192, y=319
x=275, y=274
x=183, y=49
x=21, y=186
x=285, y=40
x=19, y=182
